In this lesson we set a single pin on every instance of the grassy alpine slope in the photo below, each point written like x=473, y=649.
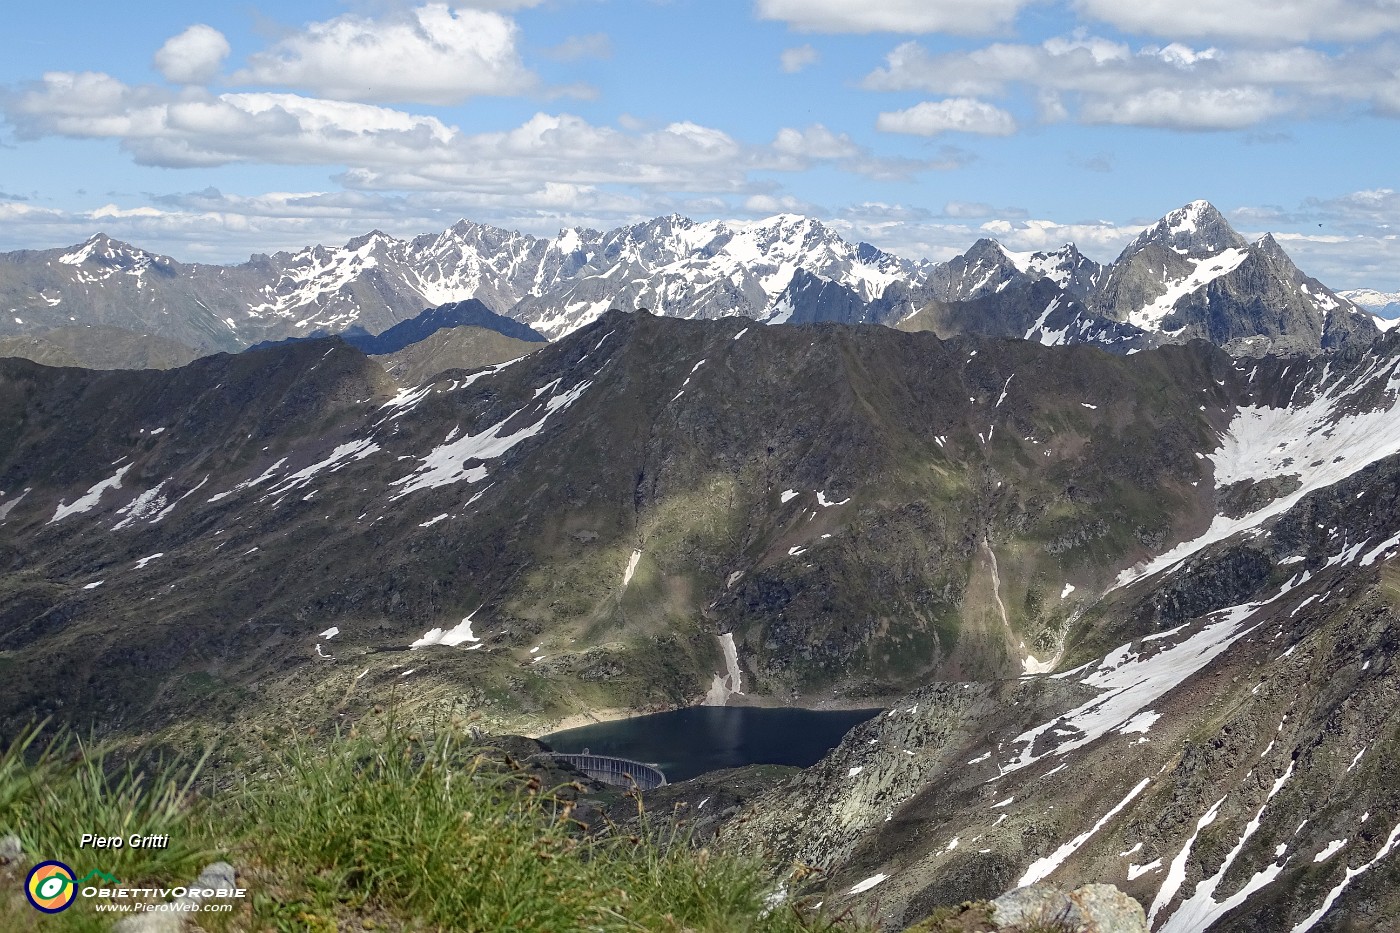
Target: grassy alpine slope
x=400, y=831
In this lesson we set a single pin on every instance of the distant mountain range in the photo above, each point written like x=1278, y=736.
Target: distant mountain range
x=1188, y=276
x=1385, y=305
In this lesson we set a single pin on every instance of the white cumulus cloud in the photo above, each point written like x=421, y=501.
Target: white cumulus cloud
x=765, y=205
x=1256, y=20
x=816, y=141
x=796, y=150
x=956, y=114
x=795, y=59
x=906, y=16
x=194, y=56
x=432, y=54
x=1188, y=108
x=382, y=148
x=1095, y=80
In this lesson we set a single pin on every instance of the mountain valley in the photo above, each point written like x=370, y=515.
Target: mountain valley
x=1114, y=547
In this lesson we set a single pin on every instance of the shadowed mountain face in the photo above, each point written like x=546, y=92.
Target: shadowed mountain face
x=1036, y=310
x=1188, y=276
x=97, y=347
x=469, y=313
x=1128, y=613
x=461, y=347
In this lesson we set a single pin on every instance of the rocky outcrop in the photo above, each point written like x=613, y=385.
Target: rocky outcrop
x=1042, y=908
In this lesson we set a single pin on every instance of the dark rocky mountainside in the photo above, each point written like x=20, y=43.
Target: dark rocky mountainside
x=1132, y=616
x=526, y=489
x=469, y=313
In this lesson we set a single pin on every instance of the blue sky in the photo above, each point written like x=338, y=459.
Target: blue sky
x=210, y=131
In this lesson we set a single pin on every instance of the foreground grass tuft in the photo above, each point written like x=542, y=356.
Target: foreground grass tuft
x=426, y=828
x=51, y=795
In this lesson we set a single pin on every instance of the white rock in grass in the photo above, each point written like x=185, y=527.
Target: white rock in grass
x=10, y=848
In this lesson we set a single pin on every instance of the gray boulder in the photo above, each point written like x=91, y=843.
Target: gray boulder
x=172, y=919
x=1094, y=908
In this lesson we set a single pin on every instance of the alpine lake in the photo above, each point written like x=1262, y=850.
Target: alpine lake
x=685, y=743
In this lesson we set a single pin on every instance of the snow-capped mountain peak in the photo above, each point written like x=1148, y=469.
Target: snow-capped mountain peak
x=102, y=248
x=1193, y=230
x=1067, y=267
x=682, y=268
x=1191, y=274
x=101, y=259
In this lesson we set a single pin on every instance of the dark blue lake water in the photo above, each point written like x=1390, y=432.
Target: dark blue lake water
x=687, y=742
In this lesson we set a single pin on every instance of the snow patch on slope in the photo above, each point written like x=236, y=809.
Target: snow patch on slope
x=1132, y=678
x=1308, y=922
x=447, y=463
x=457, y=635
x=1200, y=910
x=343, y=455
x=89, y=500
x=1041, y=868
x=1207, y=270
x=1317, y=442
x=731, y=683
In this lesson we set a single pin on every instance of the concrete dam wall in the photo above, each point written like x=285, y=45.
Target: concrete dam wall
x=622, y=772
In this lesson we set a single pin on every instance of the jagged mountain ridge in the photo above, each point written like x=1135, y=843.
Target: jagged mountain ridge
x=1202, y=547
x=1190, y=275
x=672, y=265
x=1035, y=309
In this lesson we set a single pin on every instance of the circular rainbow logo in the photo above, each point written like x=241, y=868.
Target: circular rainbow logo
x=51, y=887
